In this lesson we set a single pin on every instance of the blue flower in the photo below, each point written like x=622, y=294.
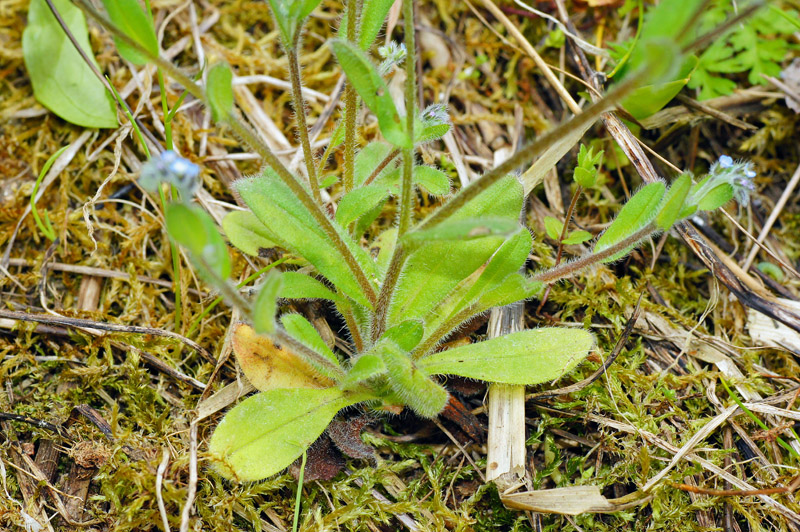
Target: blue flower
x=738, y=175
x=169, y=167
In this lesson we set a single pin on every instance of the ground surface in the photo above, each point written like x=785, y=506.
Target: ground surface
x=117, y=405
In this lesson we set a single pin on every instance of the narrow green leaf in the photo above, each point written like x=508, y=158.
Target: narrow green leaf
x=527, y=357
x=426, y=397
x=301, y=286
x=367, y=366
x=406, y=335
x=266, y=304
x=436, y=268
x=219, y=91
x=289, y=16
x=674, y=201
x=359, y=202
x=433, y=180
x=193, y=228
x=61, y=80
x=373, y=15
x=463, y=230
x=635, y=215
x=304, y=332
x=247, y=233
x=369, y=84
x=553, y=227
x=716, y=197
x=131, y=18
x=295, y=229
x=577, y=237
x=266, y=432
x=368, y=159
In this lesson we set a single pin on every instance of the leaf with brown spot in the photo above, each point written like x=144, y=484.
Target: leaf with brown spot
x=269, y=366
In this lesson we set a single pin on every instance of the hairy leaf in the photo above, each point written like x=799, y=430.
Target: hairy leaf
x=295, y=229
x=61, y=80
x=635, y=215
x=462, y=230
x=359, y=202
x=270, y=366
x=367, y=366
x=577, y=237
x=266, y=432
x=266, y=304
x=426, y=397
x=369, y=84
x=301, y=286
x=246, y=232
x=368, y=160
x=406, y=335
x=433, y=180
x=304, y=332
x=289, y=16
x=553, y=227
x=673, y=203
x=527, y=357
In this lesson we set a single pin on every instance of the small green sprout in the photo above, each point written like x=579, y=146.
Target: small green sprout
x=43, y=222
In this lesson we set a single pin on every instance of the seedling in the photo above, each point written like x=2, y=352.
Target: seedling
x=417, y=282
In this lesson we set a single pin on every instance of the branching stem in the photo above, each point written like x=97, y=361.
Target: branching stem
x=250, y=138
x=566, y=269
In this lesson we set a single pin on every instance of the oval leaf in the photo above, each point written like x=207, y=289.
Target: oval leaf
x=219, y=91
x=526, y=357
x=61, y=80
x=246, y=232
x=194, y=229
x=674, y=201
x=266, y=432
x=305, y=333
x=266, y=304
x=635, y=215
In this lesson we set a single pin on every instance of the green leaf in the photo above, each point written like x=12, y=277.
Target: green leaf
x=193, y=228
x=462, y=230
x=369, y=84
x=373, y=15
x=359, y=202
x=368, y=159
x=526, y=357
x=61, y=80
x=289, y=16
x=295, y=229
x=716, y=197
x=635, y=215
x=270, y=366
x=553, y=227
x=436, y=268
x=406, y=335
x=304, y=332
x=266, y=432
x=367, y=366
x=219, y=92
x=433, y=180
x=577, y=237
x=674, y=202
x=301, y=286
x=246, y=232
x=513, y=288
x=416, y=389
x=266, y=304
x=129, y=16
x=649, y=99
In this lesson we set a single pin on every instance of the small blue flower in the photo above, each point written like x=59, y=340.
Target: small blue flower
x=725, y=161
x=738, y=175
x=169, y=167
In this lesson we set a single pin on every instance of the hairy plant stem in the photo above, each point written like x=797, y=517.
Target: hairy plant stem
x=407, y=190
x=530, y=151
x=350, y=106
x=311, y=356
x=352, y=326
x=251, y=139
x=561, y=238
x=566, y=269
x=299, y=104
x=378, y=325
x=383, y=164
x=443, y=330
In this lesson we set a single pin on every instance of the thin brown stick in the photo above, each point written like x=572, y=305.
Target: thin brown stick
x=91, y=324
x=738, y=493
